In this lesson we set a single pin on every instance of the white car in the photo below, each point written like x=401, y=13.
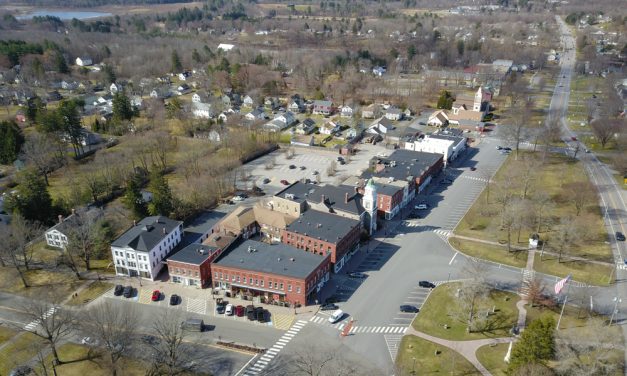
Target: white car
x=421, y=207
x=336, y=316
x=238, y=198
x=229, y=310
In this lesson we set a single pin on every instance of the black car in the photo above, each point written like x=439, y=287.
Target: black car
x=302, y=167
x=292, y=167
x=426, y=284
x=342, y=162
x=422, y=123
x=260, y=314
x=220, y=308
x=266, y=181
x=174, y=299
x=409, y=308
x=507, y=149
x=340, y=159
x=499, y=148
x=329, y=307
x=128, y=291
x=119, y=289
x=250, y=312
x=620, y=236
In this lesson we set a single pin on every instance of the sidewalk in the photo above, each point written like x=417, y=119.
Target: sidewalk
x=467, y=349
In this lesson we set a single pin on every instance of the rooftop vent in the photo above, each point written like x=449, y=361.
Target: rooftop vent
x=319, y=225
x=278, y=259
x=292, y=259
x=241, y=261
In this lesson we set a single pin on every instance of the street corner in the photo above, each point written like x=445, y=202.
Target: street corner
x=282, y=321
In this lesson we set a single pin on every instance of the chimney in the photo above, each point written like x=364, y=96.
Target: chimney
x=164, y=231
x=134, y=222
x=60, y=218
x=323, y=199
x=346, y=198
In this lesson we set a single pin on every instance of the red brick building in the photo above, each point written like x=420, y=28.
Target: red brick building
x=324, y=234
x=408, y=165
x=191, y=266
x=267, y=273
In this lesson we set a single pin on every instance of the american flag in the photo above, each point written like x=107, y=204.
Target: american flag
x=560, y=285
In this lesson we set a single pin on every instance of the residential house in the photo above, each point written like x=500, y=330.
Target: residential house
x=306, y=127
x=200, y=96
x=202, y=110
x=256, y=114
x=438, y=119
x=161, y=92
x=141, y=250
x=394, y=113
x=84, y=61
x=274, y=125
x=183, y=89
x=286, y=117
x=346, y=111
x=249, y=221
x=323, y=107
x=324, y=234
x=330, y=128
x=271, y=273
x=248, y=101
x=370, y=112
x=115, y=87
x=137, y=101
x=191, y=266
x=183, y=76
x=69, y=85
x=271, y=103
x=381, y=126
x=57, y=235
x=296, y=104
x=379, y=71
x=225, y=47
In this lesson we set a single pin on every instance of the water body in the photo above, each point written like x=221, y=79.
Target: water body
x=63, y=15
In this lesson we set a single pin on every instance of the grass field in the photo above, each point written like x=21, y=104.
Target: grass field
x=492, y=358
x=439, y=308
x=45, y=285
x=22, y=348
x=417, y=356
x=490, y=252
x=90, y=293
x=6, y=334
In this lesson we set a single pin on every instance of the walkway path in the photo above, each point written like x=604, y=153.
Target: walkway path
x=468, y=349
x=528, y=277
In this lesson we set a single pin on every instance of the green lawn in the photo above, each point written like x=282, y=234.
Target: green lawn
x=80, y=365
x=492, y=358
x=90, y=293
x=490, y=252
x=586, y=272
x=419, y=355
x=45, y=285
x=439, y=309
x=6, y=334
x=19, y=351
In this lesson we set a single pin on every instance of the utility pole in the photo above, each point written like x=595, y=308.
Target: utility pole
x=616, y=301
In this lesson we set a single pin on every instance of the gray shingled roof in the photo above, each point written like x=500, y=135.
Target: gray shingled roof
x=299, y=190
x=408, y=163
x=279, y=259
x=335, y=198
x=194, y=254
x=324, y=226
x=146, y=234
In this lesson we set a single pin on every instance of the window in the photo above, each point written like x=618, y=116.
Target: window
x=196, y=274
x=262, y=282
x=256, y=282
x=215, y=275
x=237, y=279
x=281, y=287
x=232, y=277
x=220, y=275
x=289, y=288
x=298, y=289
x=276, y=285
x=250, y=281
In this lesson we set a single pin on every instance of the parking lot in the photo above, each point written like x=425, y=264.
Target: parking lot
x=305, y=162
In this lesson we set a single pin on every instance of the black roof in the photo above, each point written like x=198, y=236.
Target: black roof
x=297, y=191
x=406, y=163
x=194, y=253
x=324, y=226
x=335, y=198
x=279, y=259
x=146, y=234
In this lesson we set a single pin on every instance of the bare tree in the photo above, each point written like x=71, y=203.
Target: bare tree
x=605, y=128
x=114, y=328
x=54, y=324
x=170, y=356
x=40, y=151
x=568, y=233
x=581, y=193
x=473, y=291
x=15, y=246
x=315, y=361
x=82, y=238
x=590, y=350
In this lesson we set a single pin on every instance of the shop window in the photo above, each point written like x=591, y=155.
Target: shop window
x=289, y=288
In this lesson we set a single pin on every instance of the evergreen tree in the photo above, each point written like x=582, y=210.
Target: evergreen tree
x=536, y=345
x=162, y=202
x=122, y=109
x=176, y=62
x=133, y=198
x=32, y=200
x=411, y=51
x=11, y=141
x=33, y=107
x=60, y=64
x=70, y=123
x=109, y=74
x=196, y=56
x=446, y=100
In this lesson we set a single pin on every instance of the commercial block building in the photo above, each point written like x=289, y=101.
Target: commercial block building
x=191, y=266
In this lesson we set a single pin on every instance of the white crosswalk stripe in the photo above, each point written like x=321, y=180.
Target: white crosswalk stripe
x=392, y=341
x=32, y=325
x=198, y=306
x=272, y=352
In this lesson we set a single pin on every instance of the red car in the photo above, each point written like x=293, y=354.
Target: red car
x=156, y=295
x=239, y=311
x=285, y=182
x=574, y=138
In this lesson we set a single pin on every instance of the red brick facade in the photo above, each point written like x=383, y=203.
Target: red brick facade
x=321, y=247
x=271, y=286
x=200, y=272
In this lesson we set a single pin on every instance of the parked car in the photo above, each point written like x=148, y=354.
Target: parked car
x=303, y=167
x=240, y=311
x=292, y=167
x=342, y=162
x=409, y=308
x=266, y=181
x=89, y=341
x=499, y=148
x=155, y=295
x=260, y=314
x=229, y=310
x=336, y=316
x=473, y=168
x=620, y=236
x=250, y=312
x=573, y=138
x=422, y=206
x=315, y=172
x=119, y=289
x=329, y=307
x=21, y=371
x=426, y=284
x=357, y=275
x=285, y=182
x=220, y=307
x=175, y=299
x=340, y=159
x=238, y=198
x=422, y=123
x=128, y=291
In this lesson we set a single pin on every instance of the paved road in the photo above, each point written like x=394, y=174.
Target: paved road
x=612, y=196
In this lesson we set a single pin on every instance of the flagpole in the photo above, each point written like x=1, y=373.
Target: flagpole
x=563, y=305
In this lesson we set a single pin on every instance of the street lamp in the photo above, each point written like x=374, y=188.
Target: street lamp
x=616, y=300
